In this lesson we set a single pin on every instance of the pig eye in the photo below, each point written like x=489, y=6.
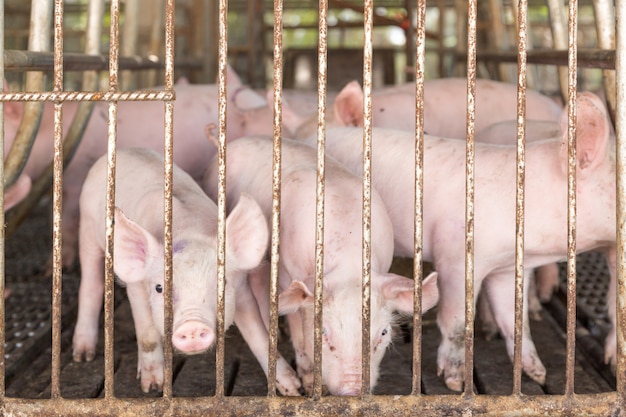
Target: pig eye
x=384, y=333
x=159, y=288
x=324, y=332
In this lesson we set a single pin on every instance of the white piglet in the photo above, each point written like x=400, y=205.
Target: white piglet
x=494, y=223
x=139, y=260
x=249, y=170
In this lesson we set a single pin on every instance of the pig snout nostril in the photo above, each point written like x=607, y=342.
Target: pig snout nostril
x=193, y=337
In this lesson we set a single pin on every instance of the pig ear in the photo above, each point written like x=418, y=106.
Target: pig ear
x=292, y=120
x=294, y=297
x=232, y=78
x=348, y=105
x=17, y=191
x=246, y=233
x=398, y=291
x=592, y=134
x=135, y=248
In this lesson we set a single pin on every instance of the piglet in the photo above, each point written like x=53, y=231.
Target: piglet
x=494, y=222
x=139, y=124
x=139, y=260
x=249, y=170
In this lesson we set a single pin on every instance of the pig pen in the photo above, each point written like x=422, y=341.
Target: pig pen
x=41, y=379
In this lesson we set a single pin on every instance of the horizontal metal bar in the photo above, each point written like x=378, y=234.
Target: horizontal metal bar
x=44, y=61
x=145, y=95
x=425, y=405
x=587, y=58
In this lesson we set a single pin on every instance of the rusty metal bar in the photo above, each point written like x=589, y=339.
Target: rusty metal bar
x=427, y=405
x=2, y=220
x=587, y=58
x=469, y=198
x=571, y=198
x=620, y=129
x=604, y=11
x=276, y=193
x=57, y=204
x=522, y=36
x=145, y=95
x=418, y=255
x=168, y=153
x=130, y=33
x=109, y=284
x=156, y=39
x=318, y=291
x=43, y=61
x=221, y=248
x=559, y=38
x=39, y=40
x=368, y=24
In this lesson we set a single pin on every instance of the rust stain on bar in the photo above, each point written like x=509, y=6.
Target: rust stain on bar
x=57, y=205
x=420, y=48
x=520, y=193
x=320, y=199
x=571, y=199
x=167, y=190
x=620, y=122
x=109, y=284
x=147, y=95
x=367, y=190
x=221, y=243
x=276, y=189
x=2, y=221
x=469, y=199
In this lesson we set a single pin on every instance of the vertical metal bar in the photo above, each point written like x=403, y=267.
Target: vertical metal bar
x=522, y=36
x=130, y=33
x=409, y=32
x=620, y=127
x=276, y=190
x=469, y=198
x=109, y=283
x=367, y=190
x=156, y=31
x=168, y=161
x=320, y=186
x=571, y=199
x=57, y=200
x=2, y=219
x=38, y=41
x=418, y=256
x=604, y=11
x=221, y=208
x=559, y=39
x=441, y=5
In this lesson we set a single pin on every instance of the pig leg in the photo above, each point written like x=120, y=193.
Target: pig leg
x=501, y=291
x=610, y=344
x=90, y=298
x=248, y=320
x=451, y=322
x=547, y=278
x=534, y=305
x=259, y=284
x=149, y=344
x=69, y=218
x=303, y=362
x=488, y=326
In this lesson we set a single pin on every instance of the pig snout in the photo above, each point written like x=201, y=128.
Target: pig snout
x=193, y=337
x=350, y=386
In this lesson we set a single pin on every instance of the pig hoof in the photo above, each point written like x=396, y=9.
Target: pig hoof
x=490, y=331
x=80, y=356
x=535, y=315
x=287, y=381
x=537, y=373
x=454, y=384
